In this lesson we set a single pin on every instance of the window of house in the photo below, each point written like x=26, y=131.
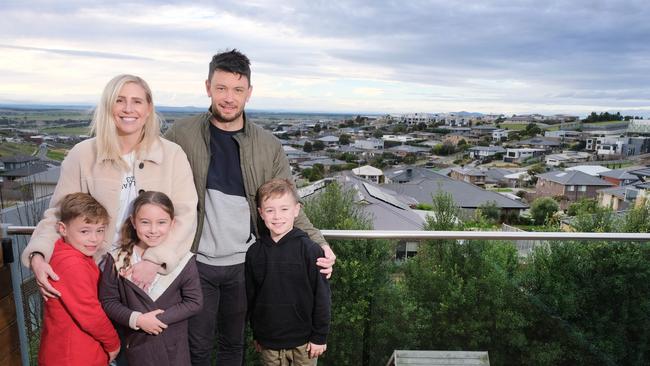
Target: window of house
x=571, y=188
x=583, y=188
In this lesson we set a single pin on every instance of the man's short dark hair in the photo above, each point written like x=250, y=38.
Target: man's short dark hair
x=231, y=61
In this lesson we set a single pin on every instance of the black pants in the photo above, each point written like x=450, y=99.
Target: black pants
x=223, y=316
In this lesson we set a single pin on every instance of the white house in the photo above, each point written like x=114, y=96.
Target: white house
x=370, y=173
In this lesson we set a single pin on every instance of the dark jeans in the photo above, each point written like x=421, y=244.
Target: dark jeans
x=223, y=316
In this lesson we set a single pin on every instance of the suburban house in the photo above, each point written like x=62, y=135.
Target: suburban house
x=500, y=134
x=518, y=155
x=329, y=141
x=594, y=170
x=483, y=152
x=403, y=150
x=545, y=143
x=369, y=173
x=469, y=175
x=567, y=157
x=386, y=209
x=621, y=177
x=369, y=144
x=570, y=186
x=426, y=184
x=618, y=198
x=482, y=130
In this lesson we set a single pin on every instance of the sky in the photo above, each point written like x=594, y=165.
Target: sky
x=376, y=56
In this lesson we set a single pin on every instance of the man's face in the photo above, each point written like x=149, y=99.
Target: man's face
x=83, y=236
x=229, y=93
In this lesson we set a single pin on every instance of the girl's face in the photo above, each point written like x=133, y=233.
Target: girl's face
x=152, y=224
x=131, y=110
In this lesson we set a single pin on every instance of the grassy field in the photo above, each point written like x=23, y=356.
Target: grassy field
x=72, y=131
x=12, y=148
x=57, y=154
x=46, y=115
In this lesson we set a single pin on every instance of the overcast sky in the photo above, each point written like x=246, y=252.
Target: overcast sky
x=496, y=56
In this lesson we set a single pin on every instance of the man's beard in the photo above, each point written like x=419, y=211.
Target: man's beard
x=220, y=117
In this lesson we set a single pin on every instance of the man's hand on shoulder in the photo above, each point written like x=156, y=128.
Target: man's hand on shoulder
x=327, y=262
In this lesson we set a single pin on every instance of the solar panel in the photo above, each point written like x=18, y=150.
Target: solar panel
x=380, y=195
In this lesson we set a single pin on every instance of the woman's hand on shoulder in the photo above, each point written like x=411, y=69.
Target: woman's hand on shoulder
x=143, y=273
x=42, y=272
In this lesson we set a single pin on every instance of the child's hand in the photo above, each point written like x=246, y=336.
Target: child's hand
x=149, y=323
x=258, y=348
x=112, y=355
x=316, y=350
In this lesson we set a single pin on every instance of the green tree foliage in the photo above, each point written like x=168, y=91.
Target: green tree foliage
x=637, y=220
x=532, y=130
x=444, y=149
x=409, y=159
x=318, y=145
x=603, y=117
x=307, y=147
x=362, y=272
x=446, y=214
x=543, y=209
x=590, y=304
x=583, y=205
x=490, y=210
x=344, y=139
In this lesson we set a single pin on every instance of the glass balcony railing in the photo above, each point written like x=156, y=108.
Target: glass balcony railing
x=525, y=298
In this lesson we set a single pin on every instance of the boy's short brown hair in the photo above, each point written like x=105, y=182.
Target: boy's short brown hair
x=83, y=205
x=275, y=188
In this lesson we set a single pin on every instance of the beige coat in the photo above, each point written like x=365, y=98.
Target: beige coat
x=163, y=168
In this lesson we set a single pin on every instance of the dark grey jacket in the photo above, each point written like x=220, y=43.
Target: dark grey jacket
x=181, y=300
x=261, y=157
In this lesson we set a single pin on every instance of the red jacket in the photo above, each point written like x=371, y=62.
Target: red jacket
x=76, y=331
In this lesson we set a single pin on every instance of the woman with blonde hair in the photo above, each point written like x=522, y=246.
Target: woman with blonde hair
x=126, y=156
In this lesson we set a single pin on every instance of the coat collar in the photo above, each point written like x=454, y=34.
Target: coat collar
x=208, y=121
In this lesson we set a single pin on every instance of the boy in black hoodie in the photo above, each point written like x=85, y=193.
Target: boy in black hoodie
x=288, y=298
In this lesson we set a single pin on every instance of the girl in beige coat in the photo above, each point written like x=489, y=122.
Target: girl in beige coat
x=127, y=156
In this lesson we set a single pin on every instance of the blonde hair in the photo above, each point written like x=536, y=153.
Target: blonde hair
x=103, y=123
x=277, y=187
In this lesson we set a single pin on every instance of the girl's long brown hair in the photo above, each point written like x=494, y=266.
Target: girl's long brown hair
x=128, y=235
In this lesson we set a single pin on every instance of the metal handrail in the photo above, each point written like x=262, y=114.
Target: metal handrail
x=427, y=235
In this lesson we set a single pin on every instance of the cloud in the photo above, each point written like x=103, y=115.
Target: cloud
x=418, y=55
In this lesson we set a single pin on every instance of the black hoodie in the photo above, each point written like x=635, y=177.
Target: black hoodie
x=288, y=298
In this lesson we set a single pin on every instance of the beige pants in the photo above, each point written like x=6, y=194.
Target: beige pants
x=287, y=357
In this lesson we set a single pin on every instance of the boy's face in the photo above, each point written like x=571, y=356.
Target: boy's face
x=83, y=236
x=278, y=213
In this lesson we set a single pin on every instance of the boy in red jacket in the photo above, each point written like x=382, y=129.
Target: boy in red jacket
x=76, y=331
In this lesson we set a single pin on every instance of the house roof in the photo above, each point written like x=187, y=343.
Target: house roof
x=18, y=159
x=622, y=174
x=474, y=172
x=643, y=172
x=329, y=139
x=620, y=191
x=573, y=177
x=409, y=173
x=539, y=141
x=494, y=149
x=409, y=149
x=594, y=170
x=386, y=209
x=26, y=171
x=48, y=176
x=466, y=195
x=367, y=170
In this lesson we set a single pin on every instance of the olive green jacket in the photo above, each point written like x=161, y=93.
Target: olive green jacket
x=261, y=158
